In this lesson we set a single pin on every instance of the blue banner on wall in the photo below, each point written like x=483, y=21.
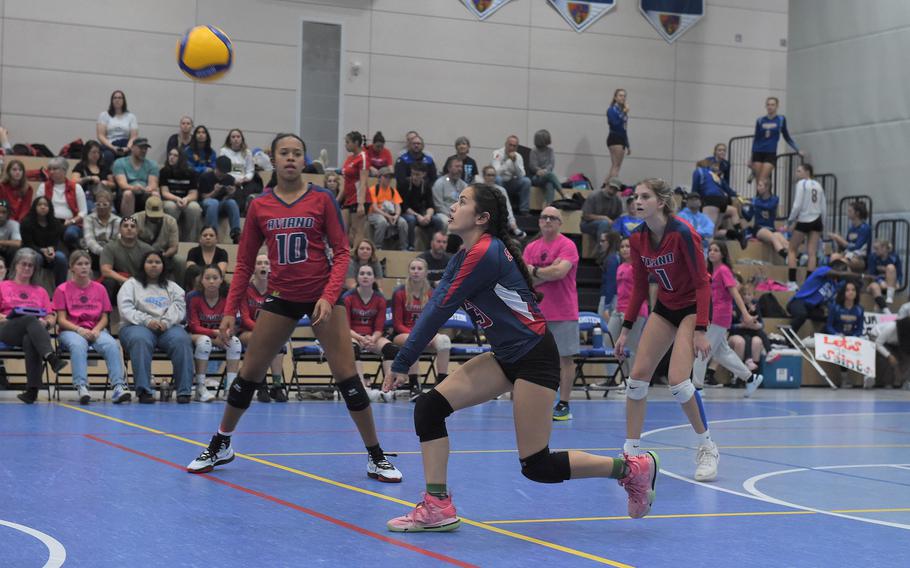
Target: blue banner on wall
x=484, y=8
x=671, y=18
x=580, y=15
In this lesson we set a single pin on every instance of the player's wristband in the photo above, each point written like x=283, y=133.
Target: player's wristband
x=627, y=324
x=701, y=328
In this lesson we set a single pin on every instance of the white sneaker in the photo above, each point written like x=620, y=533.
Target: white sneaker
x=752, y=384
x=889, y=296
x=375, y=395
x=383, y=470
x=219, y=452
x=706, y=458
x=868, y=383
x=121, y=394
x=84, y=396
x=792, y=286
x=387, y=396
x=203, y=394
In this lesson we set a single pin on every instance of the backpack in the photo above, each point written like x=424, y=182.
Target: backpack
x=578, y=181
x=72, y=150
x=573, y=203
x=769, y=307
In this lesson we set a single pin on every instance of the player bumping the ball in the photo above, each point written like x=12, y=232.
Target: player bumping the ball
x=489, y=279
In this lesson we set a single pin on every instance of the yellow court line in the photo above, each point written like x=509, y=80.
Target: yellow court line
x=328, y=481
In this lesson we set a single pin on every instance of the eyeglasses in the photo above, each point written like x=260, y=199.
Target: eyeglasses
x=552, y=218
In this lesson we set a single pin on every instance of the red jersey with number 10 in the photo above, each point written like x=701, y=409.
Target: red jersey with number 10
x=677, y=265
x=296, y=236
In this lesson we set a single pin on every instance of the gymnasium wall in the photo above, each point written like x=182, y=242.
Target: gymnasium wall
x=428, y=65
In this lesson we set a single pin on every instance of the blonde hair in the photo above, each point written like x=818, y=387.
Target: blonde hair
x=663, y=192
x=625, y=106
x=332, y=175
x=420, y=291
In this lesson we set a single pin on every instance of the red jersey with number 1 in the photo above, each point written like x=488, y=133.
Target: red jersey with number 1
x=677, y=265
x=296, y=236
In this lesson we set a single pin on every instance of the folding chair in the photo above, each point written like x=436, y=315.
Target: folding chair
x=93, y=356
x=588, y=354
x=459, y=321
x=306, y=350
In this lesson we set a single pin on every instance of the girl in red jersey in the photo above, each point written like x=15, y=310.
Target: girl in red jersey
x=670, y=251
x=366, y=315
x=407, y=304
x=297, y=222
x=249, y=311
x=354, y=196
x=204, y=311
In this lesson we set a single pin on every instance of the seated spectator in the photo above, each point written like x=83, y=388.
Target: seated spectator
x=716, y=198
x=42, y=232
x=180, y=194
x=3, y=265
x=92, y=173
x=378, y=156
x=246, y=180
x=5, y=146
x=206, y=253
x=626, y=223
x=700, y=222
x=205, y=308
x=414, y=155
x=541, y=162
x=763, y=211
x=489, y=177
x=10, y=237
x=136, y=177
x=446, y=190
x=510, y=171
x=160, y=232
x=408, y=138
x=846, y=318
x=887, y=272
x=366, y=309
x=68, y=199
x=748, y=340
x=184, y=135
x=469, y=170
x=436, y=258
x=385, y=212
x=199, y=154
x=151, y=311
x=892, y=341
x=719, y=157
x=363, y=255
x=101, y=226
x=217, y=191
x=815, y=293
x=407, y=305
x=256, y=294
x=332, y=182
x=28, y=330
x=601, y=208
x=122, y=257
x=417, y=205
x=117, y=128
x=15, y=190
x=83, y=310
x=855, y=247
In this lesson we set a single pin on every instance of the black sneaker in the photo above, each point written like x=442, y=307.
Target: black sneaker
x=262, y=393
x=28, y=396
x=184, y=398
x=278, y=393
x=235, y=236
x=57, y=364
x=711, y=381
x=145, y=397
x=416, y=391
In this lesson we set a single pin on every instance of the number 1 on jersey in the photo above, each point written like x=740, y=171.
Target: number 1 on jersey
x=664, y=279
x=292, y=248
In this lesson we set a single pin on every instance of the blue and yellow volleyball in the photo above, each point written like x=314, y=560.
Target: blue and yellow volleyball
x=205, y=53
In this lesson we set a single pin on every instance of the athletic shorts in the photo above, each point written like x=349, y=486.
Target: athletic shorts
x=675, y=317
x=539, y=366
x=719, y=201
x=289, y=309
x=811, y=226
x=764, y=157
x=618, y=140
x=566, y=335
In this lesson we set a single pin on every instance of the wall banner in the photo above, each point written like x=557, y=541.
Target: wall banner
x=580, y=15
x=671, y=18
x=484, y=8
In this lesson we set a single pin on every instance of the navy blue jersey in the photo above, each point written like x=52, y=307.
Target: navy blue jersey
x=487, y=283
x=618, y=120
x=708, y=184
x=845, y=321
x=764, y=211
x=723, y=167
x=767, y=134
x=859, y=238
x=875, y=262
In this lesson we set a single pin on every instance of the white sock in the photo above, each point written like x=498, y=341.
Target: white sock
x=704, y=439
x=632, y=447
x=890, y=295
x=200, y=378
x=230, y=378
x=225, y=434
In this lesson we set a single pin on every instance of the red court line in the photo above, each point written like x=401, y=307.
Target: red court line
x=282, y=502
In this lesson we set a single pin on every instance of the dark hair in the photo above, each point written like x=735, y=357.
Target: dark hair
x=7, y=180
x=223, y=164
x=206, y=150
x=613, y=240
x=282, y=135
x=808, y=167
x=841, y=296
x=110, y=106
x=724, y=255
x=87, y=148
x=181, y=166
x=860, y=209
x=542, y=139
x=419, y=167
x=222, y=290
x=378, y=137
x=355, y=137
x=227, y=139
x=373, y=272
x=775, y=99
x=489, y=200
x=32, y=216
x=143, y=278
x=213, y=228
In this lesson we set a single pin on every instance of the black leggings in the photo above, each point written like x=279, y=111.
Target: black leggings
x=29, y=333
x=800, y=311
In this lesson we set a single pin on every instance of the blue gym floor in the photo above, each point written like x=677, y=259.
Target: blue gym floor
x=807, y=478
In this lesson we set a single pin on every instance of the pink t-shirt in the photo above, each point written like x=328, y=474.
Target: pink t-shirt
x=84, y=306
x=721, y=299
x=560, y=297
x=624, y=290
x=25, y=295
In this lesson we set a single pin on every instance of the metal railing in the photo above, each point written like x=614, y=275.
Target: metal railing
x=783, y=180
x=840, y=221
x=897, y=231
x=739, y=153
x=829, y=184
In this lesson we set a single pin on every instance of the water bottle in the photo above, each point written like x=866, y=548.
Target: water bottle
x=597, y=338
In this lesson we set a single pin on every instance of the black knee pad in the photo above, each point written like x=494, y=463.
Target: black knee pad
x=430, y=413
x=390, y=351
x=354, y=394
x=546, y=466
x=241, y=392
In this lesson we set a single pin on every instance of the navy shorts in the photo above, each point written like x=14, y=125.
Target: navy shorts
x=810, y=227
x=539, y=366
x=675, y=317
x=764, y=157
x=289, y=309
x=618, y=140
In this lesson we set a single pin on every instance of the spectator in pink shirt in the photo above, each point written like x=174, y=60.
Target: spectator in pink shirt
x=618, y=313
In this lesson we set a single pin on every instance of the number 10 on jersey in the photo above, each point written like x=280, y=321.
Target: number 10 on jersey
x=292, y=248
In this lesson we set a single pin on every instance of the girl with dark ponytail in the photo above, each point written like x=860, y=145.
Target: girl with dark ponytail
x=491, y=282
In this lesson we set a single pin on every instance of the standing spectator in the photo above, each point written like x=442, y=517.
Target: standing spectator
x=92, y=173
x=122, y=257
x=601, y=208
x=436, y=258
x=553, y=260
x=14, y=188
x=510, y=171
x=217, y=191
x=378, y=156
x=417, y=206
x=385, y=212
x=719, y=157
x=366, y=308
x=68, y=199
x=624, y=280
x=136, y=177
x=447, y=188
x=249, y=312
x=764, y=212
x=180, y=193
x=618, y=137
x=199, y=154
x=489, y=178
x=886, y=270
x=856, y=245
x=184, y=135
x=205, y=308
x=10, y=235
x=469, y=166
x=83, y=310
x=807, y=219
x=541, y=162
x=354, y=198
x=768, y=130
x=42, y=232
x=332, y=182
x=151, y=311
x=625, y=224
x=242, y=169
x=160, y=232
x=117, y=128
x=206, y=253
x=364, y=254
x=101, y=226
x=414, y=155
x=28, y=330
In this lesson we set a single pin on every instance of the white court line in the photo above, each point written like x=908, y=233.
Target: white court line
x=900, y=466
x=57, y=553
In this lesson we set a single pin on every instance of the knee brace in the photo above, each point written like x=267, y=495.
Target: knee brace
x=442, y=342
x=234, y=349
x=354, y=394
x=683, y=391
x=637, y=390
x=203, y=348
x=430, y=413
x=546, y=466
x=241, y=392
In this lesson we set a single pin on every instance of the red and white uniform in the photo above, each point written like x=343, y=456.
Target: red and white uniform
x=350, y=172
x=405, y=310
x=249, y=310
x=365, y=318
x=201, y=318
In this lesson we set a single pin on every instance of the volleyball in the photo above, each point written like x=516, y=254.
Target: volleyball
x=205, y=53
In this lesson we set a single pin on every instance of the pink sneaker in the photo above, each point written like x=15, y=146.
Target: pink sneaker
x=432, y=515
x=640, y=482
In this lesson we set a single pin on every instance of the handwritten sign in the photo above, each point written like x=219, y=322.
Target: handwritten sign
x=872, y=319
x=852, y=353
